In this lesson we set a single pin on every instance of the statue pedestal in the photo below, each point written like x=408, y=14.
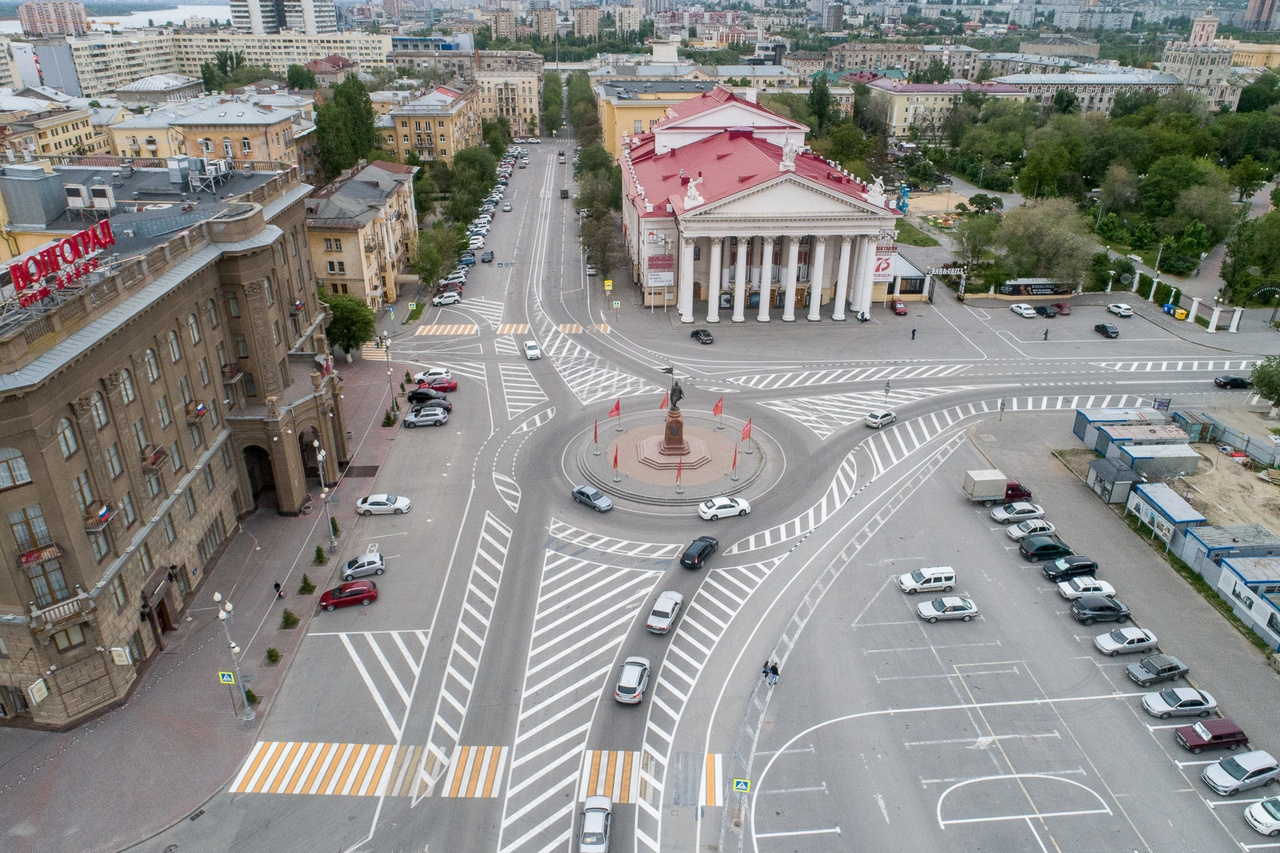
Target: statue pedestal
x=673, y=442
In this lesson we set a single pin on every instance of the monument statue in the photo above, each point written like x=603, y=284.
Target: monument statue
x=790, y=148
x=693, y=198
x=875, y=192
x=677, y=394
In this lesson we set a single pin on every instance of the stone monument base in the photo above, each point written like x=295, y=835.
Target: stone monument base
x=650, y=454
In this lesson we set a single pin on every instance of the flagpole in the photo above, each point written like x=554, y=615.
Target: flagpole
x=734, y=477
x=679, y=470
x=617, y=478
x=595, y=439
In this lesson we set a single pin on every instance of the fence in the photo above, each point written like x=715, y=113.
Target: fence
x=1264, y=451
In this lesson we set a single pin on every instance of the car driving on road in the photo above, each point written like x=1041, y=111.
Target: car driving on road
x=665, y=611
x=698, y=552
x=592, y=497
x=879, y=419
x=633, y=681
x=716, y=508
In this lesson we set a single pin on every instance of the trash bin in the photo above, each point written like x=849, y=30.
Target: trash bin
x=1168, y=307
x=1180, y=314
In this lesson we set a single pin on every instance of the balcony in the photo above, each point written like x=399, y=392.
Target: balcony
x=97, y=522
x=55, y=617
x=196, y=411
x=231, y=374
x=154, y=457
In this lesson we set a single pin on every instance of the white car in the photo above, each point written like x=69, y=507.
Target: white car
x=534, y=140
x=1264, y=816
x=947, y=607
x=597, y=813
x=506, y=207
x=1022, y=309
x=714, y=508
x=433, y=373
x=876, y=420
x=1085, y=585
x=1179, y=702
x=1123, y=641
x=633, y=682
x=1120, y=309
x=1019, y=511
x=664, y=613
x=532, y=351
x=383, y=505
x=366, y=564
x=1229, y=776
x=449, y=297
x=1030, y=527
x=591, y=270
x=476, y=243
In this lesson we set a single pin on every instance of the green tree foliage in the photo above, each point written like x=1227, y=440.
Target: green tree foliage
x=437, y=247
x=352, y=96
x=936, y=72
x=582, y=109
x=351, y=322
x=1128, y=103
x=484, y=37
x=299, y=77
x=1065, y=101
x=794, y=106
x=1261, y=94
x=975, y=236
x=344, y=127
x=1047, y=239
x=552, y=100
x=1246, y=177
x=497, y=135
x=1266, y=379
x=228, y=70
x=1167, y=178
x=821, y=104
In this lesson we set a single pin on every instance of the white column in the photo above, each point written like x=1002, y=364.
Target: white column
x=1235, y=320
x=816, y=271
x=740, y=280
x=756, y=244
x=866, y=269
x=793, y=270
x=1213, y=319
x=1195, y=306
x=766, y=279
x=684, y=295
x=855, y=275
x=842, y=279
x=713, y=280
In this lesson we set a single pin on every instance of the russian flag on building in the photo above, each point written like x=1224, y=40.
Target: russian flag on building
x=201, y=410
x=104, y=513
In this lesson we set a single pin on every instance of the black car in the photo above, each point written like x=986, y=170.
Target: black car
x=486, y=258
x=422, y=395
x=698, y=552
x=1069, y=566
x=436, y=403
x=1037, y=548
x=1231, y=382
x=1107, y=330
x=1046, y=311
x=1088, y=609
x=1154, y=669
x=703, y=336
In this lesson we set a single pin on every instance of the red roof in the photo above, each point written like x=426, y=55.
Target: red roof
x=719, y=96
x=729, y=162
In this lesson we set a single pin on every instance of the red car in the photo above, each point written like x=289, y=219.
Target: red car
x=352, y=592
x=439, y=383
x=1063, y=307
x=1210, y=734
x=898, y=307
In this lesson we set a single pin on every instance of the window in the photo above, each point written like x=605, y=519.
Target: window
x=29, y=529
x=118, y=595
x=213, y=414
x=233, y=305
x=128, y=392
x=193, y=328
x=154, y=486
x=162, y=408
x=101, y=545
x=170, y=533
x=184, y=388
x=69, y=639
x=638, y=126
x=242, y=345
x=220, y=351
x=226, y=457
x=175, y=458
x=250, y=388
x=197, y=437
x=205, y=378
x=126, y=506
x=246, y=147
x=227, y=150
x=337, y=268
x=337, y=244
x=328, y=245
x=275, y=331
x=67, y=438
x=98, y=410
x=83, y=492
x=211, y=312
x=293, y=243
x=175, y=348
x=189, y=499
x=153, y=365
x=271, y=292
x=13, y=468
x=114, y=466
x=208, y=479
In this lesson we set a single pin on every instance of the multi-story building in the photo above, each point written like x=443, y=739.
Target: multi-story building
x=1096, y=89
x=237, y=130
x=53, y=18
x=874, y=56
x=626, y=19
x=502, y=23
x=160, y=89
x=362, y=230
x=150, y=135
x=278, y=52
x=1061, y=45
x=52, y=131
x=1261, y=15
x=545, y=22
x=1000, y=64
x=258, y=17
x=154, y=383
x=1254, y=55
x=759, y=76
x=586, y=22
x=629, y=107
x=1204, y=64
x=921, y=108
x=332, y=69
x=833, y=17
x=102, y=63
x=513, y=95
x=804, y=63
x=435, y=126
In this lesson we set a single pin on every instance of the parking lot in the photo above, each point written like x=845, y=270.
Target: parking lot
x=1011, y=731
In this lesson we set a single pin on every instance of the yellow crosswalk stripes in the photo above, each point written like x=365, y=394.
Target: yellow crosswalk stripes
x=602, y=328
x=712, y=781
x=475, y=771
x=328, y=769
x=513, y=329
x=611, y=773
x=373, y=352
x=570, y=328
x=447, y=329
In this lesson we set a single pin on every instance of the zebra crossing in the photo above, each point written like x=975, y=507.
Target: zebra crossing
x=513, y=329
x=588, y=376
x=373, y=352
x=578, y=328
x=829, y=413
x=463, y=666
x=1237, y=365
x=843, y=484
x=520, y=390
x=327, y=769
x=489, y=310
x=475, y=771
x=612, y=774
x=584, y=610
x=389, y=664
x=871, y=373
x=441, y=329
x=705, y=622
x=586, y=539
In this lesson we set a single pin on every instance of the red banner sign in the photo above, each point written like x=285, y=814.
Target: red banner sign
x=39, y=555
x=69, y=259
x=662, y=262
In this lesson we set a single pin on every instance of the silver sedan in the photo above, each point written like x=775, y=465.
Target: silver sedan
x=947, y=607
x=1179, y=702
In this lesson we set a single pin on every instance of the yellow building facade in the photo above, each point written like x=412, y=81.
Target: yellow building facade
x=634, y=106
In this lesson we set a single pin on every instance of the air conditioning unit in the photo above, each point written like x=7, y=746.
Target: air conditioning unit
x=77, y=196
x=103, y=198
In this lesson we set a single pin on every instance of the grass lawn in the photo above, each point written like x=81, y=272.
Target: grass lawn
x=913, y=236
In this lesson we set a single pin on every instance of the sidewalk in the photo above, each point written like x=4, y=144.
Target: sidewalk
x=125, y=776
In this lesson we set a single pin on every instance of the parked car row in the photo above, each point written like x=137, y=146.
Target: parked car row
x=353, y=591
x=429, y=404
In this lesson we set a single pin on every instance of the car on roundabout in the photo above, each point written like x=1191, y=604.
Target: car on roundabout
x=699, y=551
x=383, y=505
x=597, y=815
x=947, y=607
x=592, y=497
x=718, y=507
x=532, y=351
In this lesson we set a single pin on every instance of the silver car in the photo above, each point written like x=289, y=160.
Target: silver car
x=1179, y=702
x=665, y=611
x=1238, y=773
x=1030, y=527
x=426, y=416
x=1019, y=511
x=1124, y=641
x=633, y=682
x=597, y=813
x=947, y=607
x=364, y=565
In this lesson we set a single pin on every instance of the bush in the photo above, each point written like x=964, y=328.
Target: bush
x=320, y=558
x=306, y=587
x=408, y=377
x=288, y=619
x=388, y=419
x=273, y=656
x=333, y=525
x=252, y=697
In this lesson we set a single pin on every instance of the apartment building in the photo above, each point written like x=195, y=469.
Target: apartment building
x=259, y=17
x=151, y=134
x=502, y=23
x=435, y=126
x=160, y=89
x=626, y=19
x=53, y=18
x=1095, y=89
x=238, y=130
x=513, y=95
x=362, y=231
x=586, y=22
x=545, y=22
x=1204, y=64
x=52, y=131
x=922, y=108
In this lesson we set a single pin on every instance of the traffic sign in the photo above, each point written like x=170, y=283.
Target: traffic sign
x=226, y=678
x=617, y=303
x=413, y=306
x=608, y=284
x=742, y=786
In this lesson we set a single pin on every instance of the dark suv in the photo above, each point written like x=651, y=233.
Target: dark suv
x=1069, y=566
x=422, y=395
x=1037, y=548
x=1155, y=669
x=698, y=552
x=1098, y=608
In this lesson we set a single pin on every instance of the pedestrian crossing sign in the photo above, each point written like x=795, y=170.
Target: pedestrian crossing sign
x=742, y=786
x=617, y=303
x=608, y=284
x=413, y=306
x=226, y=678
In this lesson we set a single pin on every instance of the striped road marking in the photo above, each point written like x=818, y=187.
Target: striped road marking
x=612, y=774
x=513, y=329
x=1179, y=366
x=475, y=771
x=712, y=793
x=328, y=769
x=447, y=329
x=570, y=328
x=521, y=391
x=875, y=373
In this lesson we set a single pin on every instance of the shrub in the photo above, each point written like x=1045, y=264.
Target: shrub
x=273, y=656
x=388, y=419
x=252, y=697
x=333, y=525
x=288, y=619
x=408, y=377
x=320, y=558
x=306, y=587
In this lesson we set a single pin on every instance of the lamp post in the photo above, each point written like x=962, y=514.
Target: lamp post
x=224, y=614
x=324, y=494
x=386, y=345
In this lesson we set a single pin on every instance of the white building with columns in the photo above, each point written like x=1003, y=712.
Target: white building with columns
x=726, y=213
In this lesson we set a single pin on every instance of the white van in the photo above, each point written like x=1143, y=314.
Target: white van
x=928, y=580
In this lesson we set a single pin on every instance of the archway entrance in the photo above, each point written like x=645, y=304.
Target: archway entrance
x=257, y=463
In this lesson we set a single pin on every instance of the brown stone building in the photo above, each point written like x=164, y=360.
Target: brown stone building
x=161, y=372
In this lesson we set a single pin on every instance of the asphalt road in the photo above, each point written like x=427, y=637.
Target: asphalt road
x=471, y=707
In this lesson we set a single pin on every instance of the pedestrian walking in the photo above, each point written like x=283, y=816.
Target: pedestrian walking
x=913, y=334
x=1046, y=334
x=279, y=591
x=773, y=673
x=764, y=670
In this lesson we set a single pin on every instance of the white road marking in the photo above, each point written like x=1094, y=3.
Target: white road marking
x=972, y=740
x=835, y=830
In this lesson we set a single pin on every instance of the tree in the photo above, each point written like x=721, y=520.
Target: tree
x=351, y=322
x=299, y=77
x=437, y=247
x=1119, y=189
x=601, y=237
x=820, y=103
x=593, y=158
x=1047, y=239
x=483, y=37
x=1266, y=380
x=1165, y=181
x=1064, y=102
x=1246, y=177
x=353, y=98
x=975, y=236
x=337, y=149
x=985, y=72
x=1260, y=95
x=983, y=203
x=936, y=72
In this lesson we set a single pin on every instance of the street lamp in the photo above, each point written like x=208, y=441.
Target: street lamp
x=324, y=494
x=386, y=345
x=224, y=614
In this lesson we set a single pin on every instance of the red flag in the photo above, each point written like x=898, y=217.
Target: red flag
x=595, y=433
x=718, y=408
x=615, y=459
x=746, y=430
x=679, y=469
x=665, y=396
x=735, y=457
x=616, y=411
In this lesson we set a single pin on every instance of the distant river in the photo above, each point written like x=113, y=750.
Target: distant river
x=160, y=17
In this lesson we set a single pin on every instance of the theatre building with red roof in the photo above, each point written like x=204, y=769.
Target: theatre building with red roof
x=725, y=210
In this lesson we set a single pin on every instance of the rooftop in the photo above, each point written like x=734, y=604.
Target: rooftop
x=955, y=87
x=354, y=200
x=1236, y=535
x=1082, y=77
x=159, y=83
x=237, y=110
x=634, y=90
x=1255, y=569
